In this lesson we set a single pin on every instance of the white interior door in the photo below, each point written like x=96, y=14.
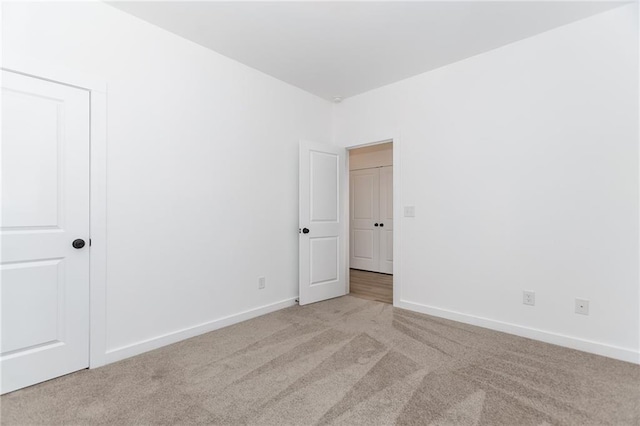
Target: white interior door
x=364, y=197
x=371, y=219
x=44, y=291
x=386, y=220
x=321, y=228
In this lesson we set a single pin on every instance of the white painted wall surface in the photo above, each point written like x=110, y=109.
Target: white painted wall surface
x=371, y=156
x=522, y=164
x=202, y=170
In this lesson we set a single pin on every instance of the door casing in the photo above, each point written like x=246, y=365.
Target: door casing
x=97, y=188
x=397, y=213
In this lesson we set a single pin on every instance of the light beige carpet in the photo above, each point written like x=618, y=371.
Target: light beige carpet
x=346, y=361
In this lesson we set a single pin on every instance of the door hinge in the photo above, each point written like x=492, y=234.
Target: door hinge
x=89, y=242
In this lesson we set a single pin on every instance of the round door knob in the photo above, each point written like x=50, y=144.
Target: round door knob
x=375, y=224
x=382, y=224
x=78, y=244
x=305, y=230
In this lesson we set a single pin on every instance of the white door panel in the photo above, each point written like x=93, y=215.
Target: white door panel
x=364, y=197
x=321, y=230
x=31, y=174
x=325, y=264
x=324, y=186
x=44, y=290
x=362, y=246
x=36, y=286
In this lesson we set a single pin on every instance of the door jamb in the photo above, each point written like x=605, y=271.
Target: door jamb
x=98, y=189
x=397, y=214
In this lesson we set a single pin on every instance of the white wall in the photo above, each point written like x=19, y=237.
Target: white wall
x=202, y=168
x=379, y=155
x=523, y=166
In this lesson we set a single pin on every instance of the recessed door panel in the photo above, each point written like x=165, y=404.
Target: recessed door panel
x=388, y=255
x=363, y=244
x=30, y=160
x=324, y=260
x=31, y=295
x=363, y=197
x=44, y=286
x=324, y=187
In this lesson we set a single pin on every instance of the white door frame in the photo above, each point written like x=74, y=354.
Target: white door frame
x=98, y=190
x=397, y=213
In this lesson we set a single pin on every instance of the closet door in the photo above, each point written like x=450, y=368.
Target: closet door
x=385, y=219
x=364, y=244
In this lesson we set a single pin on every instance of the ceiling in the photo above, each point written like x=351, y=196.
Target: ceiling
x=340, y=49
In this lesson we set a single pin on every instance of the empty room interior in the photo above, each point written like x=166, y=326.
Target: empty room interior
x=320, y=213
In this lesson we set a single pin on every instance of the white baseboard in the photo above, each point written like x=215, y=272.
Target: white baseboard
x=609, y=351
x=137, y=348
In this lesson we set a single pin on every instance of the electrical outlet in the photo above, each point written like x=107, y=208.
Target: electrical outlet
x=582, y=306
x=529, y=297
x=262, y=282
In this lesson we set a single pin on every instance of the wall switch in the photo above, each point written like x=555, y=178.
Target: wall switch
x=582, y=307
x=409, y=211
x=529, y=298
x=262, y=281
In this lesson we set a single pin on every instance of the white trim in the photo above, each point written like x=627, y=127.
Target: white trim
x=137, y=348
x=34, y=68
x=638, y=301
x=346, y=219
x=398, y=217
x=98, y=249
x=98, y=189
x=397, y=212
x=597, y=348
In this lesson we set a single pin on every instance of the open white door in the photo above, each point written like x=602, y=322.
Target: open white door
x=44, y=228
x=322, y=231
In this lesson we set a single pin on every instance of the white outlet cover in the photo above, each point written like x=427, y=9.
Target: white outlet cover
x=582, y=306
x=529, y=298
x=261, y=282
x=409, y=211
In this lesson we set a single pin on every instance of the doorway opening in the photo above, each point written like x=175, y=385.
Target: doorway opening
x=371, y=222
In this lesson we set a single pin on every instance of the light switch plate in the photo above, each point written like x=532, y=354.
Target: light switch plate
x=529, y=298
x=409, y=211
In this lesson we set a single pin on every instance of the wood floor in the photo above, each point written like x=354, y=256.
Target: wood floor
x=372, y=285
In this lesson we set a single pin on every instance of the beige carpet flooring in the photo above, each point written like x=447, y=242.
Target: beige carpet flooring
x=346, y=361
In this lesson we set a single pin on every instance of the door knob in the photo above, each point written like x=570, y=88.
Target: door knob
x=305, y=230
x=375, y=224
x=382, y=224
x=78, y=244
